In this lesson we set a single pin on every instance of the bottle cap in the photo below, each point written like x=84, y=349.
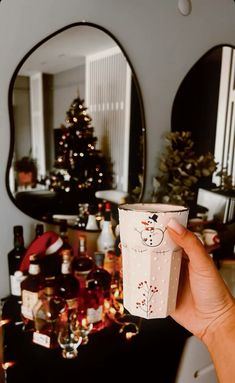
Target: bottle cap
x=33, y=258
x=82, y=239
x=66, y=254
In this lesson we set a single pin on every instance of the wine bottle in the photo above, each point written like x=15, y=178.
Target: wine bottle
x=82, y=264
x=31, y=288
x=15, y=257
x=49, y=312
x=69, y=286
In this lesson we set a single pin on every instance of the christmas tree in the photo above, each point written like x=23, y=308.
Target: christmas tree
x=79, y=169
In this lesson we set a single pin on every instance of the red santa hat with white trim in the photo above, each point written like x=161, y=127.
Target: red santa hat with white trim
x=47, y=244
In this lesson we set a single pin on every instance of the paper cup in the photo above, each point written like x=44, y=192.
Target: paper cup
x=151, y=260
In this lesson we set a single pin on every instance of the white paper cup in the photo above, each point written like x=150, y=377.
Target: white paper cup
x=151, y=260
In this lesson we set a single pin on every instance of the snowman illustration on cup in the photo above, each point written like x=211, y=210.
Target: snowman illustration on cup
x=151, y=235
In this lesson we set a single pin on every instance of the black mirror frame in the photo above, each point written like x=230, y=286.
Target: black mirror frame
x=10, y=105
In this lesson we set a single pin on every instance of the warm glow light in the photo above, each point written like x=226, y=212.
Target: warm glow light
x=4, y=321
x=106, y=304
x=6, y=365
x=129, y=335
x=84, y=322
x=112, y=310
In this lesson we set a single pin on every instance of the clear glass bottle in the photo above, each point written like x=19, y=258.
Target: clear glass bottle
x=68, y=284
x=31, y=288
x=15, y=257
x=82, y=263
x=106, y=242
x=92, y=304
x=49, y=313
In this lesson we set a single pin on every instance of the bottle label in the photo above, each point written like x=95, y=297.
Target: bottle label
x=65, y=268
x=95, y=315
x=29, y=300
x=41, y=339
x=15, y=281
x=34, y=269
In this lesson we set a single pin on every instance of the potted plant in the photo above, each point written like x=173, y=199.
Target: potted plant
x=182, y=171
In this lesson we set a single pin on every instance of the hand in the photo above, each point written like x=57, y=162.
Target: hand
x=204, y=300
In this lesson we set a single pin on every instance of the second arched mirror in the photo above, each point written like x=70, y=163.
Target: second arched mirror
x=204, y=105
x=77, y=123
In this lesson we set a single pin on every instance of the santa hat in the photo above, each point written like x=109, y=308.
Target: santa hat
x=48, y=243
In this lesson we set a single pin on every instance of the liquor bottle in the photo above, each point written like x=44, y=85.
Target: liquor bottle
x=31, y=288
x=106, y=241
x=82, y=263
x=64, y=236
x=49, y=312
x=99, y=275
x=15, y=257
x=69, y=286
x=93, y=303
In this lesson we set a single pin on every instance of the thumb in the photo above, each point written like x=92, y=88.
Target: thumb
x=196, y=252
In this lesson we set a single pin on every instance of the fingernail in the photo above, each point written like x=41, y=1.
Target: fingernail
x=176, y=226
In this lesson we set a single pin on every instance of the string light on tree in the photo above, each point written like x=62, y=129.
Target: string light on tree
x=79, y=167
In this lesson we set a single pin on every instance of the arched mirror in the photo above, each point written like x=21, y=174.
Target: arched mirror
x=204, y=105
x=195, y=105
x=77, y=123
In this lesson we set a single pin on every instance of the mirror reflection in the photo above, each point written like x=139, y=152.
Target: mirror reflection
x=204, y=105
x=77, y=124
x=196, y=101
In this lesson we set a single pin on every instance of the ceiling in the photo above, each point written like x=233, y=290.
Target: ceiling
x=67, y=50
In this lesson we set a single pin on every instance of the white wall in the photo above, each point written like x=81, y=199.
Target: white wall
x=160, y=42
